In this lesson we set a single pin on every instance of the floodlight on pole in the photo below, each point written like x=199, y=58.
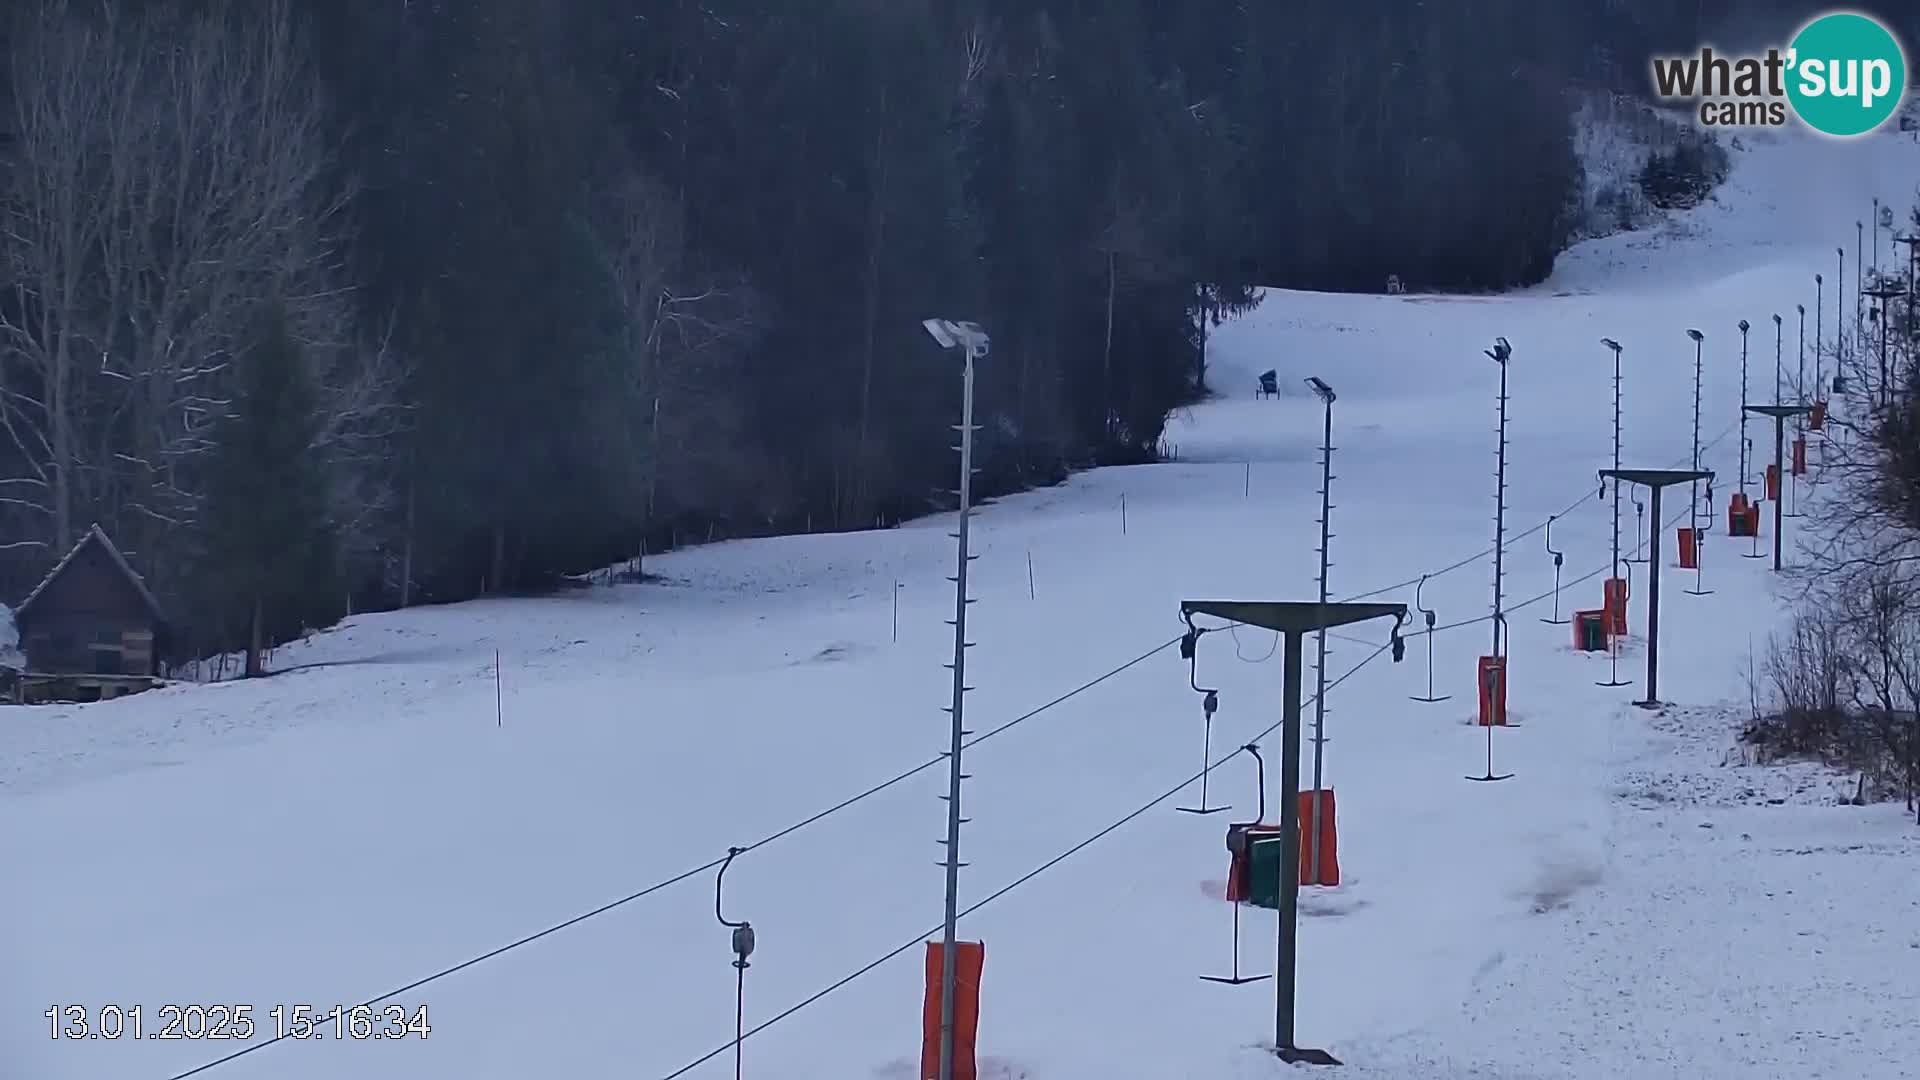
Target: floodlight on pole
x=1785, y=485
x=1800, y=363
x=973, y=343
x=1746, y=444
x=942, y=332
x=1693, y=510
x=1326, y=395
x=1618, y=571
x=1819, y=336
x=1494, y=689
x=1800, y=425
x=1500, y=353
x=1840, y=316
x=1778, y=348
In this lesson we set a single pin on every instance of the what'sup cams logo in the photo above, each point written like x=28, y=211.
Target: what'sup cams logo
x=1844, y=74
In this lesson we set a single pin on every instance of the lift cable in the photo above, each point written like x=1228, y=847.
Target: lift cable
x=1128, y=819
x=715, y=864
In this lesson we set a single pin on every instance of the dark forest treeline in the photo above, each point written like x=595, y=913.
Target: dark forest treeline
x=542, y=285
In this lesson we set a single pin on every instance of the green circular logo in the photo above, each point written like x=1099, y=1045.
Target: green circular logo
x=1847, y=74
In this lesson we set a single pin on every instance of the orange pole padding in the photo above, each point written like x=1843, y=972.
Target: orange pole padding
x=1615, y=606
x=1817, y=419
x=1329, y=840
x=1800, y=456
x=1753, y=521
x=1773, y=482
x=1736, y=514
x=969, y=958
x=1689, y=550
x=1493, y=701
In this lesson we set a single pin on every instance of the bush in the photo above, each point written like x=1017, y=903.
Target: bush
x=1683, y=175
x=1842, y=687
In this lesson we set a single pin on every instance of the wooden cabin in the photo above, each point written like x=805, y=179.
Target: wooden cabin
x=90, y=629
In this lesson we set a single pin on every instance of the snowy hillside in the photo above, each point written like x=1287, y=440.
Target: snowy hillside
x=422, y=788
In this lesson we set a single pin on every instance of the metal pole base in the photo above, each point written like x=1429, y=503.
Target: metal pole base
x=1430, y=700
x=1202, y=810
x=1300, y=1055
x=1651, y=704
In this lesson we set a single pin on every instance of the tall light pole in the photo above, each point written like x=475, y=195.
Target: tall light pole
x=1800, y=397
x=1693, y=512
x=1778, y=349
x=973, y=343
x=1819, y=336
x=1876, y=236
x=1840, y=315
x=1693, y=516
x=1800, y=368
x=1613, y=639
x=1326, y=395
x=1501, y=353
x=1745, y=446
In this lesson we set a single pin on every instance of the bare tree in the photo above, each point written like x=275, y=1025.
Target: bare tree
x=72, y=84
x=682, y=336
x=170, y=175
x=639, y=239
x=361, y=415
x=232, y=205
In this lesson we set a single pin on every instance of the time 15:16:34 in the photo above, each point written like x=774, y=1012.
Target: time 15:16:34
x=236, y=1022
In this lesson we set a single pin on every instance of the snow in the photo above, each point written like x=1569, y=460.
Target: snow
x=1633, y=902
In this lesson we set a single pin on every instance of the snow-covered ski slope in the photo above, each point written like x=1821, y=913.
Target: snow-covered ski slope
x=1627, y=905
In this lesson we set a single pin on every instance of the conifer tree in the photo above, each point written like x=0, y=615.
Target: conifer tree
x=268, y=546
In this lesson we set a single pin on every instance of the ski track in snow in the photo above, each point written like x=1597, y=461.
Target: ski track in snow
x=1635, y=902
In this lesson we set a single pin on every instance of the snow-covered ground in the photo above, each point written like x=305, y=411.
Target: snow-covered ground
x=1628, y=904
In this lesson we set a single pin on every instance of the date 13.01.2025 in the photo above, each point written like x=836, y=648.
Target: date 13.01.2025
x=360, y=1023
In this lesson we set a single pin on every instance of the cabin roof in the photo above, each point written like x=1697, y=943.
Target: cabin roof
x=94, y=535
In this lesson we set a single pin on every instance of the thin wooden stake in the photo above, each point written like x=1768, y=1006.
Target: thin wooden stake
x=896, y=611
x=1247, y=491
x=499, y=714
x=1123, y=515
x=1030, y=594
